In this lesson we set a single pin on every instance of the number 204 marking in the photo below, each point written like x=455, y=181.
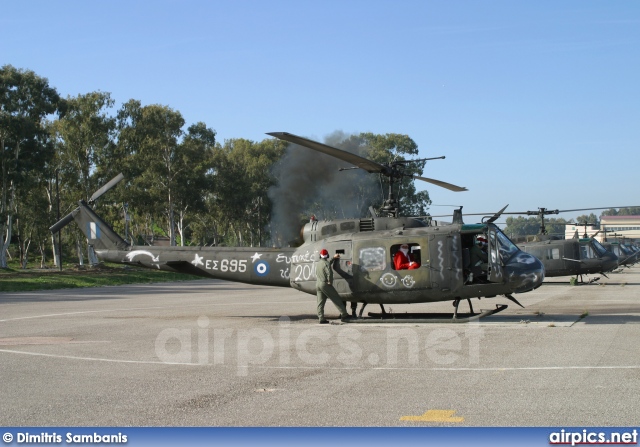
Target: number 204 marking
x=303, y=272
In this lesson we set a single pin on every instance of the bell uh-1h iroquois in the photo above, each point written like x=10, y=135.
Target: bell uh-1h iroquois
x=568, y=257
x=365, y=271
x=627, y=253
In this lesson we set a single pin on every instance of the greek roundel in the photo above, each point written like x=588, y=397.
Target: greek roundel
x=261, y=268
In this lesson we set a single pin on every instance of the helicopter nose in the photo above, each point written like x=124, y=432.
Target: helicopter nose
x=609, y=262
x=525, y=272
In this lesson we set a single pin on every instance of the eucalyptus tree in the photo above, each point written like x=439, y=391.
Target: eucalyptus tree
x=242, y=179
x=32, y=218
x=521, y=226
x=193, y=183
x=393, y=147
x=632, y=211
x=168, y=170
x=84, y=136
x=556, y=225
x=26, y=100
x=529, y=226
x=590, y=219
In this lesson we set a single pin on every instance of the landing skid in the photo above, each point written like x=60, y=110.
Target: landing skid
x=582, y=282
x=428, y=318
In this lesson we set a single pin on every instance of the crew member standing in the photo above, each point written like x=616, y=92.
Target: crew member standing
x=324, y=287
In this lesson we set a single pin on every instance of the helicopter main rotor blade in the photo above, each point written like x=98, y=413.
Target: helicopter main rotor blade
x=497, y=215
x=106, y=187
x=363, y=163
x=441, y=183
x=493, y=218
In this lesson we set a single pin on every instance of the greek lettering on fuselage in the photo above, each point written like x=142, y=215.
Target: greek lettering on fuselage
x=223, y=265
x=226, y=265
x=309, y=256
x=304, y=272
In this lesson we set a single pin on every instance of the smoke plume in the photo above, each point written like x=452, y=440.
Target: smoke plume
x=309, y=182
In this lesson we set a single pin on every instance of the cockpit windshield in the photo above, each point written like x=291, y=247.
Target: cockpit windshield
x=505, y=246
x=599, y=249
x=587, y=251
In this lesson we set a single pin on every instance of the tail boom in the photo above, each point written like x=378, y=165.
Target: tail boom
x=251, y=265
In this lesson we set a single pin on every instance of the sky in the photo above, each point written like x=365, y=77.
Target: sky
x=533, y=103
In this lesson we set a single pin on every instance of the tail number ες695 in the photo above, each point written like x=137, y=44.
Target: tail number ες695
x=228, y=265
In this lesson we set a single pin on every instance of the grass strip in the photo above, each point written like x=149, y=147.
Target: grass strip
x=70, y=278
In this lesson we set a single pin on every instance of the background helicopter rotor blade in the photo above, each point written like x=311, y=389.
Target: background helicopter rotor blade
x=548, y=211
x=113, y=182
x=363, y=163
x=600, y=208
x=497, y=215
x=441, y=183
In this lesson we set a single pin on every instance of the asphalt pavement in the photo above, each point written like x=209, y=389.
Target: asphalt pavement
x=214, y=353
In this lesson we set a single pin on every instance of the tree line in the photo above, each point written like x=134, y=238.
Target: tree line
x=521, y=226
x=181, y=184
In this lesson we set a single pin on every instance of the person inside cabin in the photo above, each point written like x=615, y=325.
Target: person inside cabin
x=478, y=258
x=403, y=259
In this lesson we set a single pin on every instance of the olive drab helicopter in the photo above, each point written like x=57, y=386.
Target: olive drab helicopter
x=365, y=271
x=627, y=254
x=568, y=257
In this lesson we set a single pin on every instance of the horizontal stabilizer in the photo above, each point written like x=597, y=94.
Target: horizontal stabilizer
x=66, y=220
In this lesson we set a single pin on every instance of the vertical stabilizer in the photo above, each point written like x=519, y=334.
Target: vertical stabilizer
x=99, y=234
x=97, y=231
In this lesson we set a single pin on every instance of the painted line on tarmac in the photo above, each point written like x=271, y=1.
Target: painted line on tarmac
x=252, y=303
x=380, y=368
x=435, y=416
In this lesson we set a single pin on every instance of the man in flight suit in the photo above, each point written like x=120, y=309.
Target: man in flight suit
x=325, y=289
x=478, y=258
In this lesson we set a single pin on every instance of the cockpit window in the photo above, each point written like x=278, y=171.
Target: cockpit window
x=505, y=246
x=586, y=252
x=625, y=250
x=597, y=246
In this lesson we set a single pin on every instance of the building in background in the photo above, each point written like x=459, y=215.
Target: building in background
x=571, y=228
x=627, y=226
x=623, y=226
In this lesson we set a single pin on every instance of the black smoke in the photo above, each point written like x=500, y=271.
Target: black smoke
x=310, y=182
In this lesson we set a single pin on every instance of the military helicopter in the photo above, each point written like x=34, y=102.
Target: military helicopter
x=568, y=257
x=627, y=254
x=365, y=271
